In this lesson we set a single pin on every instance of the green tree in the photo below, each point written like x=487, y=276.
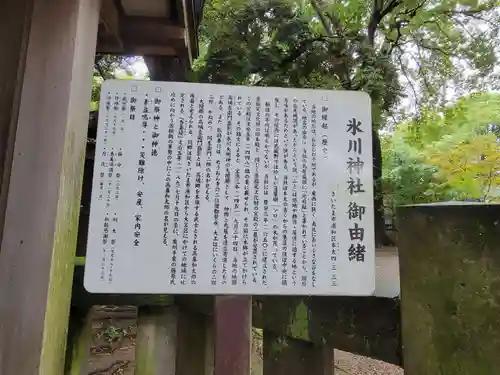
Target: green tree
x=451, y=153
x=384, y=47
x=109, y=67
x=408, y=177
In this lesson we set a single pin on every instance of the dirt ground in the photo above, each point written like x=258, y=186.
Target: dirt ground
x=350, y=364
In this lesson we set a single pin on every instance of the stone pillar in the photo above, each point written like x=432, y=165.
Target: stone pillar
x=450, y=288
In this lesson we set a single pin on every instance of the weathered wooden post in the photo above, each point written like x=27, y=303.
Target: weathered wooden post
x=156, y=341
x=286, y=356
x=43, y=202
x=233, y=335
x=195, y=350
x=450, y=281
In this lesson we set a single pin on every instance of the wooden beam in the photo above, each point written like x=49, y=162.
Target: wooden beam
x=286, y=356
x=14, y=32
x=367, y=326
x=179, y=9
x=146, y=26
x=151, y=31
x=41, y=220
x=145, y=8
x=192, y=29
x=110, y=19
x=139, y=35
x=135, y=50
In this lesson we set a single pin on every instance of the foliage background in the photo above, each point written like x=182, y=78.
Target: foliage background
x=430, y=67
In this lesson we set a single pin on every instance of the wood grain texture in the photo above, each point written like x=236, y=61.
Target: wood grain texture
x=233, y=335
x=41, y=217
x=113, y=347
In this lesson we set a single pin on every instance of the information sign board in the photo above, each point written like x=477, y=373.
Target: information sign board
x=217, y=189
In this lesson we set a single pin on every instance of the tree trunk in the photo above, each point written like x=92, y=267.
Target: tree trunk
x=381, y=237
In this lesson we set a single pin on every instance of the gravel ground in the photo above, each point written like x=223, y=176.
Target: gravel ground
x=351, y=364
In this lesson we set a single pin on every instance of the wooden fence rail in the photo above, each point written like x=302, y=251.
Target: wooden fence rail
x=126, y=340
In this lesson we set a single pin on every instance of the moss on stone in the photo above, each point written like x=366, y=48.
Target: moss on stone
x=450, y=279
x=298, y=324
x=278, y=345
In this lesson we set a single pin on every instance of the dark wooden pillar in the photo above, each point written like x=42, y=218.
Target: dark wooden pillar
x=41, y=216
x=287, y=356
x=233, y=335
x=450, y=284
x=15, y=20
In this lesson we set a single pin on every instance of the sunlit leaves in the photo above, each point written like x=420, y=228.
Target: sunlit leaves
x=453, y=153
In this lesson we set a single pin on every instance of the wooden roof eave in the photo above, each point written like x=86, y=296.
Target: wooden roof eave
x=172, y=34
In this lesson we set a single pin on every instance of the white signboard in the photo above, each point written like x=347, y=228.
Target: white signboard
x=215, y=189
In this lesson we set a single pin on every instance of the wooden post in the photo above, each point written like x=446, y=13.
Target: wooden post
x=156, y=349
x=450, y=289
x=209, y=346
x=79, y=340
x=233, y=335
x=113, y=345
x=41, y=217
x=287, y=356
x=194, y=350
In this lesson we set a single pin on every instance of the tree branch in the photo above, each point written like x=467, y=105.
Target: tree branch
x=418, y=62
x=471, y=12
x=378, y=14
x=490, y=180
x=322, y=18
x=344, y=74
x=413, y=12
x=294, y=55
x=402, y=19
x=433, y=48
x=407, y=76
x=97, y=65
